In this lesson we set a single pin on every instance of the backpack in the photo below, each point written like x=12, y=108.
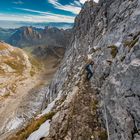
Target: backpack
x=87, y=67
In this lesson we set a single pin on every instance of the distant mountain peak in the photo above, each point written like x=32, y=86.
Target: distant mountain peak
x=31, y=36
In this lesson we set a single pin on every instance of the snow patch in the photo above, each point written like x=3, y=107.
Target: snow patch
x=118, y=44
x=43, y=131
x=47, y=110
x=50, y=106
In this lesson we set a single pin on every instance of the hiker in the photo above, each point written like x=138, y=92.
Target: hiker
x=89, y=69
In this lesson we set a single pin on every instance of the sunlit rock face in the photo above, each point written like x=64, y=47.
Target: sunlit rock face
x=109, y=32
x=108, y=105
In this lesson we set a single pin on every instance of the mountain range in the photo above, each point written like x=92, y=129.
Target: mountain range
x=31, y=36
x=38, y=41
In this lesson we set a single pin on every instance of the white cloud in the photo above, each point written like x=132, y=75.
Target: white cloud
x=18, y=2
x=43, y=17
x=77, y=3
x=34, y=11
x=74, y=7
x=47, y=17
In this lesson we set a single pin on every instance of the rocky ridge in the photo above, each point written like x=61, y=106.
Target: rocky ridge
x=108, y=32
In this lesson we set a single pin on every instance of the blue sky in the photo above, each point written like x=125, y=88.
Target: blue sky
x=15, y=13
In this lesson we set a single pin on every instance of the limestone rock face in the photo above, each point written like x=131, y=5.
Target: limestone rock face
x=110, y=32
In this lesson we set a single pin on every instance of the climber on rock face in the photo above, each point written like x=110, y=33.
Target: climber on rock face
x=89, y=69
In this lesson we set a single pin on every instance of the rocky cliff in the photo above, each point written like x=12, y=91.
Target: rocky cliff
x=109, y=32
x=22, y=76
x=108, y=105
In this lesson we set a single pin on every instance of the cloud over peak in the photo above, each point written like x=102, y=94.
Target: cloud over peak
x=73, y=7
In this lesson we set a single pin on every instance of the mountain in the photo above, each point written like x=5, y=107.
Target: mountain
x=11, y=70
x=21, y=77
x=24, y=36
x=6, y=33
x=107, y=107
x=31, y=36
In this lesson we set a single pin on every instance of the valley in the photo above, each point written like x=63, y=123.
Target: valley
x=75, y=84
x=22, y=75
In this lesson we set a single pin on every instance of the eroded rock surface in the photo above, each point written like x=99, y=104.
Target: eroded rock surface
x=109, y=32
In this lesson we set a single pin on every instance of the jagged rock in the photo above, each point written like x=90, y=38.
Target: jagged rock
x=99, y=30
x=109, y=32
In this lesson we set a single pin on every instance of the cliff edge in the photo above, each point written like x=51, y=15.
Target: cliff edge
x=107, y=107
